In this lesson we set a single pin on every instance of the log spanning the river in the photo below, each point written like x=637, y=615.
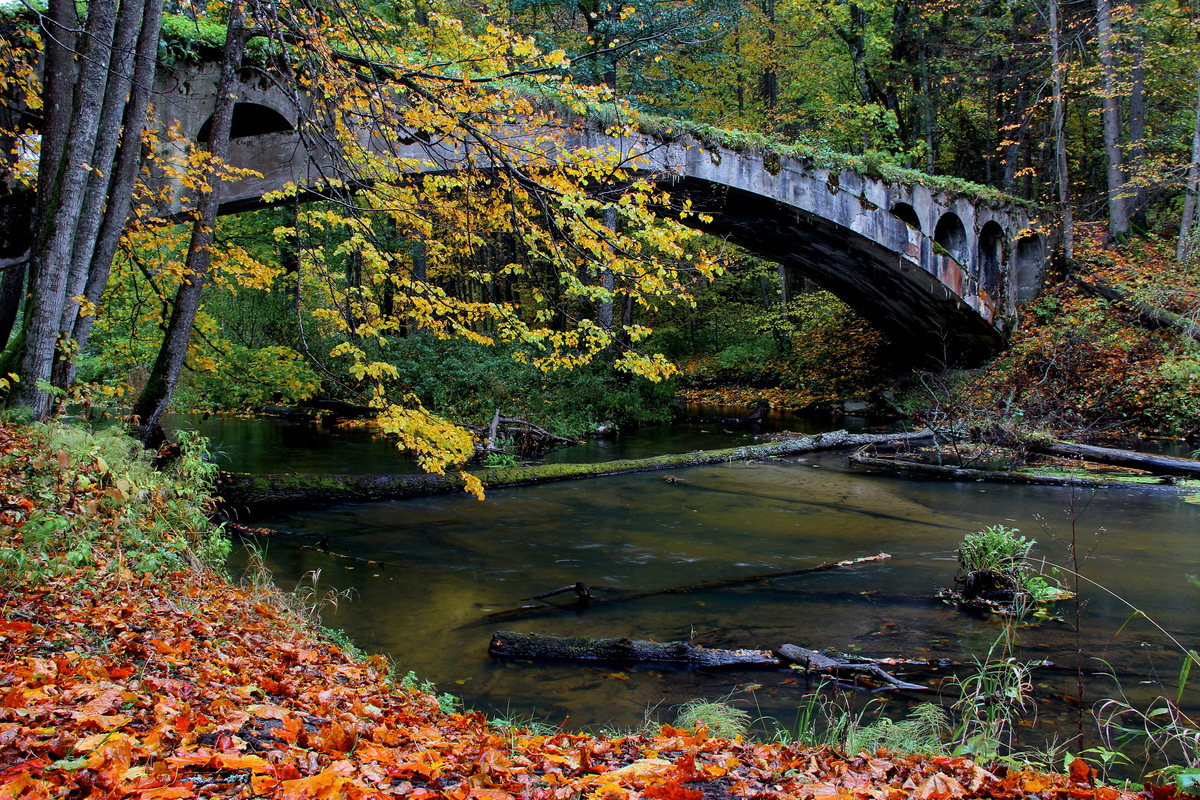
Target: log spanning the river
x=238, y=489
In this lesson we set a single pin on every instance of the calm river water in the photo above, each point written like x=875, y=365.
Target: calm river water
x=452, y=560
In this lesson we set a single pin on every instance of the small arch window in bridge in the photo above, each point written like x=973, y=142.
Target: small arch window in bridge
x=906, y=214
x=1029, y=265
x=249, y=119
x=951, y=236
x=991, y=256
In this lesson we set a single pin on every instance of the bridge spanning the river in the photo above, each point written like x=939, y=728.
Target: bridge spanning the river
x=942, y=272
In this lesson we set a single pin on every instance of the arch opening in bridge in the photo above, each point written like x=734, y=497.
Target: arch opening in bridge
x=249, y=119
x=906, y=214
x=991, y=257
x=1028, y=266
x=951, y=236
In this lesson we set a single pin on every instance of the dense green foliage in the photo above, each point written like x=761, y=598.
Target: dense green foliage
x=98, y=503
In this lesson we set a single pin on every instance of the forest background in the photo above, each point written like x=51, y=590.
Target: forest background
x=555, y=290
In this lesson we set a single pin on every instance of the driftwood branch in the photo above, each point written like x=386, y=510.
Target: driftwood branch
x=245, y=490
x=625, y=597
x=813, y=661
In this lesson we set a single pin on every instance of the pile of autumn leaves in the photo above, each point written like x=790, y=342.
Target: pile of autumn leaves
x=179, y=685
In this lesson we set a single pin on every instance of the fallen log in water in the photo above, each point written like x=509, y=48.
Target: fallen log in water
x=538, y=647
x=238, y=489
x=1148, y=462
x=587, y=600
x=965, y=474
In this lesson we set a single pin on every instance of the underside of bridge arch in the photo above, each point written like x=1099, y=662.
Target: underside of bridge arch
x=249, y=119
x=908, y=304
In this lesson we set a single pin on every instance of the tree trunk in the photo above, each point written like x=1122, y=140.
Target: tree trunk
x=124, y=177
x=1136, y=164
x=164, y=376
x=1185, y=245
x=1062, y=176
x=104, y=152
x=62, y=179
x=1118, y=203
x=249, y=490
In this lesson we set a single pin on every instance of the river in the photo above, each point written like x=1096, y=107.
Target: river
x=449, y=561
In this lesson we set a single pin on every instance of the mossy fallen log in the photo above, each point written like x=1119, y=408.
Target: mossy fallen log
x=239, y=489
x=1147, y=462
x=965, y=474
x=539, y=647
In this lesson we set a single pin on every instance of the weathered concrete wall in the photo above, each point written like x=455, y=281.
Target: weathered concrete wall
x=945, y=273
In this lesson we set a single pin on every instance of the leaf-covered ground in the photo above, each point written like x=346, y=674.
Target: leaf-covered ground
x=180, y=685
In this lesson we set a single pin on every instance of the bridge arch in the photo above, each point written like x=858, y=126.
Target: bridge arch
x=249, y=119
x=906, y=214
x=990, y=257
x=951, y=235
x=1029, y=267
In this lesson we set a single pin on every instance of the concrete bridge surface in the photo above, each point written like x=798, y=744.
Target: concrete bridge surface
x=942, y=274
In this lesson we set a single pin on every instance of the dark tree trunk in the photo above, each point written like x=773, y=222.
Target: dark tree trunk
x=1062, y=177
x=62, y=179
x=164, y=376
x=119, y=190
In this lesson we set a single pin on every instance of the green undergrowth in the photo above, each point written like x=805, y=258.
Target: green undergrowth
x=92, y=500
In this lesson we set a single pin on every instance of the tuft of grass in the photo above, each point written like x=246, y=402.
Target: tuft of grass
x=721, y=719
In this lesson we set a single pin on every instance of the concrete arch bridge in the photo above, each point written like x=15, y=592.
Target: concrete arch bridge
x=941, y=273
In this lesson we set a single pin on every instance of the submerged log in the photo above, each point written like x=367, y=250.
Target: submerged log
x=538, y=647
x=624, y=597
x=240, y=489
x=1148, y=462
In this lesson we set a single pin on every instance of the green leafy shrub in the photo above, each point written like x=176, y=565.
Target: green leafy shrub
x=98, y=503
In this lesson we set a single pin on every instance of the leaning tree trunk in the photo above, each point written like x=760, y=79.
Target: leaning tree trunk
x=164, y=376
x=62, y=180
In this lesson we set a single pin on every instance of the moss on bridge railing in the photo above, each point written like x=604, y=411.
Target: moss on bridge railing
x=817, y=153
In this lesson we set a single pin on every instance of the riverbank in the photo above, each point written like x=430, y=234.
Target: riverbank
x=129, y=678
